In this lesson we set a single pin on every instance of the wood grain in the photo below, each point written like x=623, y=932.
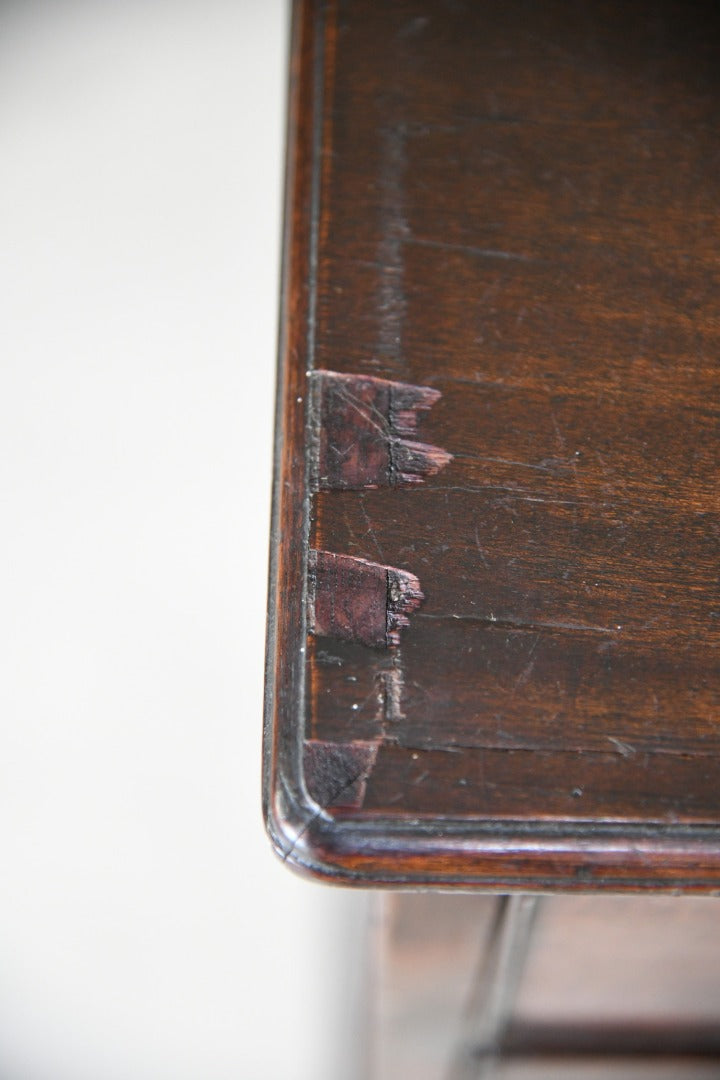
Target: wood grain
x=356, y=600
x=363, y=432
x=514, y=205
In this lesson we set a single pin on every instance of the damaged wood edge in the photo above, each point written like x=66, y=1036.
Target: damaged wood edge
x=357, y=600
x=412, y=462
x=336, y=774
x=362, y=432
x=404, y=596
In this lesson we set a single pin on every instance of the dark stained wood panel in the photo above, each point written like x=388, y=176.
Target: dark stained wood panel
x=515, y=205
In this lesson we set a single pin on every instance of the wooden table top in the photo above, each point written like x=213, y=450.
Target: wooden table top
x=495, y=610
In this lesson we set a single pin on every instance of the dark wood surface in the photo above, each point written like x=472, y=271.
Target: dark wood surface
x=503, y=233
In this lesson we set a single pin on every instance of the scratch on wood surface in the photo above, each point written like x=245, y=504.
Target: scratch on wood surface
x=506, y=622
x=471, y=249
x=391, y=303
x=392, y=684
x=363, y=432
x=624, y=748
x=336, y=774
x=357, y=600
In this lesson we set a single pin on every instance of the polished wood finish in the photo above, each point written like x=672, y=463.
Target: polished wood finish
x=513, y=205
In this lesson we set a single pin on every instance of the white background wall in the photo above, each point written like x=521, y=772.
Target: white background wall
x=146, y=931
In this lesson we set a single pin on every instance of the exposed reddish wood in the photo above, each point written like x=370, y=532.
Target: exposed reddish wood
x=364, y=431
x=336, y=773
x=357, y=600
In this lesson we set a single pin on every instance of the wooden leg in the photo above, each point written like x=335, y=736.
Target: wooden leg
x=496, y=986
x=446, y=970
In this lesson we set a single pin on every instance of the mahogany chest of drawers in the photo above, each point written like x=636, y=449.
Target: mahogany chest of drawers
x=495, y=602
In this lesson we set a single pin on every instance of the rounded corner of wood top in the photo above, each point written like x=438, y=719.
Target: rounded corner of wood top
x=307, y=840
